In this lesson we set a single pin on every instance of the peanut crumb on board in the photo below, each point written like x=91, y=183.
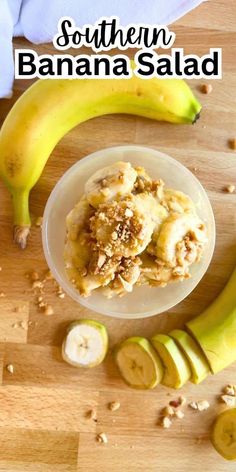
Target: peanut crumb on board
x=230, y=390
x=166, y=422
x=168, y=411
x=179, y=414
x=200, y=405
x=34, y=276
x=92, y=414
x=102, y=438
x=206, y=88
x=229, y=188
x=229, y=400
x=10, y=368
x=114, y=406
x=2, y=294
x=232, y=144
x=39, y=221
x=48, y=310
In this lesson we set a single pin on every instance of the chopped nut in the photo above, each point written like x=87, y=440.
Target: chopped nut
x=92, y=414
x=168, y=411
x=229, y=390
x=48, y=275
x=232, y=144
x=206, y=88
x=229, y=188
x=39, y=299
x=229, y=400
x=48, y=310
x=102, y=438
x=15, y=325
x=174, y=403
x=128, y=213
x=166, y=422
x=182, y=400
x=24, y=325
x=37, y=284
x=10, y=368
x=38, y=221
x=193, y=405
x=61, y=295
x=2, y=294
x=34, y=276
x=113, y=406
x=114, y=236
x=200, y=406
x=179, y=414
x=42, y=305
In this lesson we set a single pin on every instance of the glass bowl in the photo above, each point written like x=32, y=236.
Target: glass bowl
x=144, y=301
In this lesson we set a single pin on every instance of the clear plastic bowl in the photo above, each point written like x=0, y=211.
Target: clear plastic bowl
x=143, y=301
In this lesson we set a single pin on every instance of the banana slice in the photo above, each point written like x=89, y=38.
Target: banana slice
x=178, y=201
x=152, y=272
x=199, y=365
x=177, y=370
x=78, y=218
x=174, y=229
x=121, y=228
x=127, y=275
x=85, y=344
x=223, y=435
x=87, y=269
x=110, y=183
x=138, y=363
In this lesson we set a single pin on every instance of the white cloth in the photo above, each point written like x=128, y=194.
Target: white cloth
x=37, y=21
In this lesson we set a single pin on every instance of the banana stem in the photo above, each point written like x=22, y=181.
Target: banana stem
x=21, y=217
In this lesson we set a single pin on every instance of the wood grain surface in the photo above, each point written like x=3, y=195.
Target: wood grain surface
x=43, y=403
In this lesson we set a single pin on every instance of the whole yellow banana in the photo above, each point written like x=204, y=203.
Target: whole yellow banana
x=50, y=108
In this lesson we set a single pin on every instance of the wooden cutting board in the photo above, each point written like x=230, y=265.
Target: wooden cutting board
x=43, y=404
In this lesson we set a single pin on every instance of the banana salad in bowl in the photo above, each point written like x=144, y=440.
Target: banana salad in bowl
x=122, y=225
x=128, y=230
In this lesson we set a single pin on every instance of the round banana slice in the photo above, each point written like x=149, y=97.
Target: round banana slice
x=78, y=218
x=138, y=363
x=87, y=269
x=121, y=228
x=223, y=435
x=85, y=344
x=176, y=367
x=110, y=183
x=178, y=201
x=174, y=229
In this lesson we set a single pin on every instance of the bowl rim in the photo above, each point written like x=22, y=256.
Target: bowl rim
x=69, y=289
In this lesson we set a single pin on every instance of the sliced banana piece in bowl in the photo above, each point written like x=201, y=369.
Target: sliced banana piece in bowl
x=121, y=228
x=85, y=344
x=138, y=363
x=110, y=182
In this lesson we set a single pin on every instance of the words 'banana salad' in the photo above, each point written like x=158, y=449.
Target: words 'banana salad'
x=128, y=230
